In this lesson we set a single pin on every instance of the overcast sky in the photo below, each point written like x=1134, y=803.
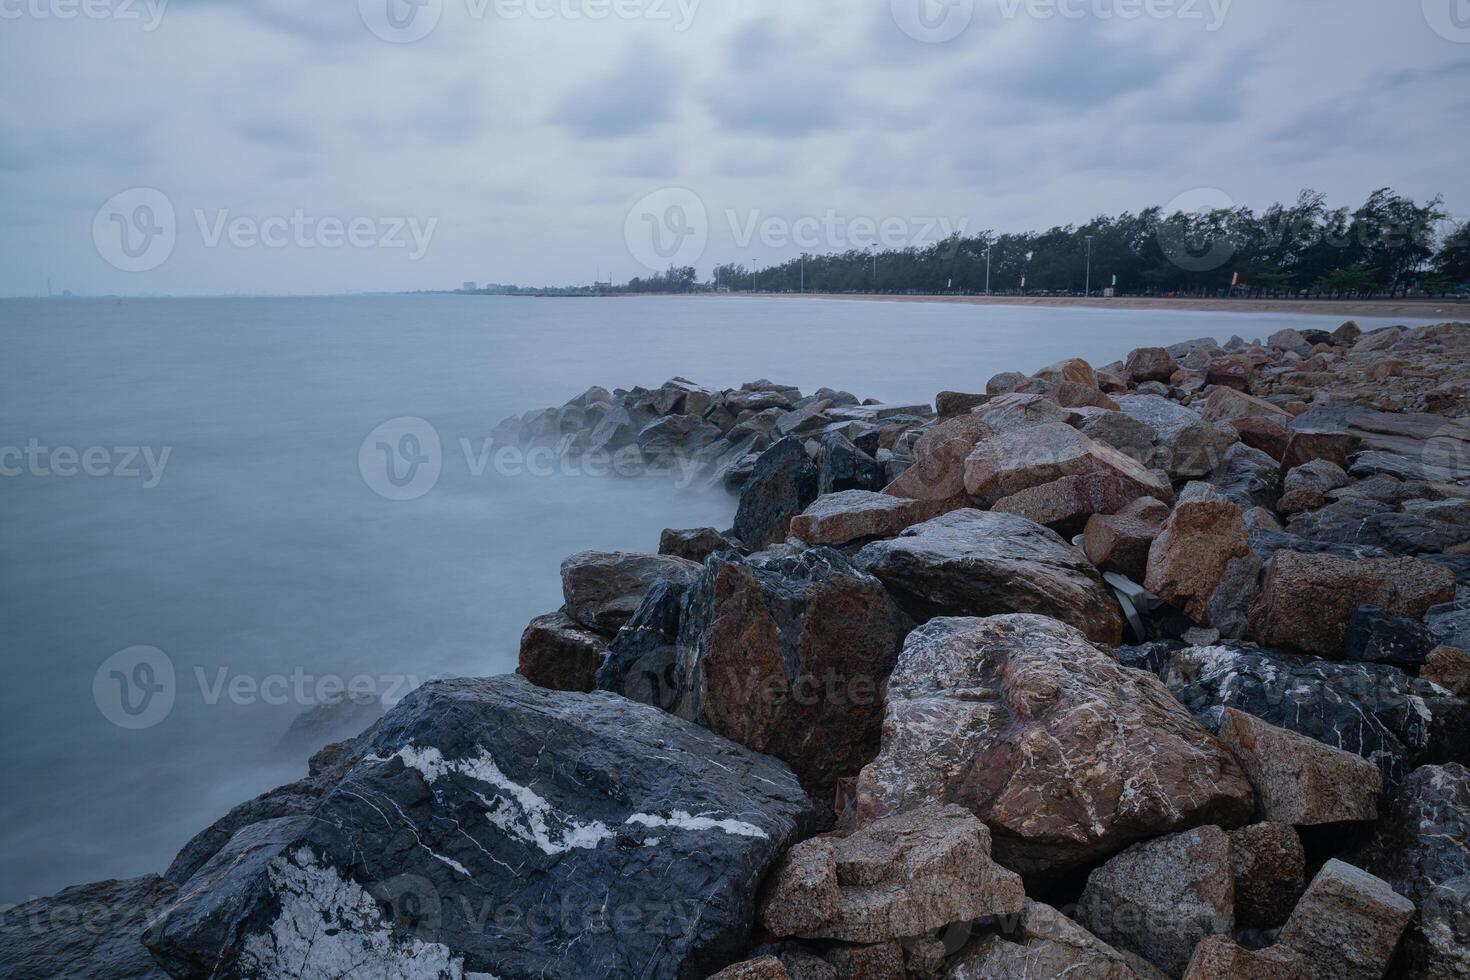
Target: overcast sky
x=311, y=146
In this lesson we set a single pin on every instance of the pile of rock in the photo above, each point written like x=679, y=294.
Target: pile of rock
x=886, y=725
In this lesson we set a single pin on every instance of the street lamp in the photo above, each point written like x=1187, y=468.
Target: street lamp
x=987, y=270
x=1087, y=290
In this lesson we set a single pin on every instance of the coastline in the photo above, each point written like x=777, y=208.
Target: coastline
x=1408, y=308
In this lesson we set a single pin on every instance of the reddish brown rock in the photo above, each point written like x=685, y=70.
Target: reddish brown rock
x=1299, y=780
x=785, y=653
x=1160, y=898
x=1188, y=560
x=1266, y=433
x=603, y=588
x=1019, y=410
x=1219, y=958
x=853, y=515
x=938, y=471
x=1065, y=505
x=1066, y=755
x=1270, y=874
x=559, y=654
x=693, y=544
x=1225, y=404
x=1229, y=372
x=1307, y=600
x=1305, y=443
x=1115, y=543
x=1306, y=487
x=1449, y=667
x=1348, y=924
x=1147, y=509
x=1074, y=370
x=1111, y=383
x=1011, y=462
x=900, y=876
x=1150, y=364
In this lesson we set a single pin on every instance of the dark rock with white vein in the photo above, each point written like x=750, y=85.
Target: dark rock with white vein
x=495, y=828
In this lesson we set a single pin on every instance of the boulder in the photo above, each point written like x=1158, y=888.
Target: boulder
x=782, y=485
x=1249, y=477
x=1122, y=432
x=1160, y=898
x=603, y=588
x=1115, y=543
x=1421, y=847
x=1390, y=718
x=1009, y=463
x=1288, y=340
x=949, y=404
x=85, y=931
x=900, y=876
x=1347, y=335
x=1150, y=364
x=1188, y=560
x=1306, y=486
x=693, y=544
x=641, y=660
x=1152, y=656
x=760, y=968
x=1064, y=754
x=1298, y=780
x=614, y=431
x=559, y=654
x=1074, y=370
x=1269, y=866
x=843, y=466
x=1189, y=447
x=554, y=813
x=1046, y=944
x=938, y=472
x=1065, y=505
x=1375, y=636
x=786, y=654
x=975, y=563
x=1449, y=667
x=1359, y=521
x=853, y=515
x=1233, y=372
x=1347, y=924
x=1008, y=413
x=1219, y=958
x=671, y=442
x=1307, y=600
x=1269, y=435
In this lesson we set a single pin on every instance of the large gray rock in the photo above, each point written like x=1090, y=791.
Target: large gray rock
x=976, y=563
x=782, y=485
x=603, y=588
x=1347, y=924
x=1390, y=718
x=85, y=932
x=786, y=653
x=1161, y=897
x=1359, y=521
x=1188, y=446
x=559, y=654
x=640, y=662
x=1248, y=476
x=1009, y=463
x=1422, y=848
x=556, y=814
x=1066, y=755
x=854, y=515
x=901, y=876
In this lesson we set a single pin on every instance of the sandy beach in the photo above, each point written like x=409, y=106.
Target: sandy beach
x=1450, y=309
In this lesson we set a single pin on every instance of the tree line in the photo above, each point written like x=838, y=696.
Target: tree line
x=1389, y=246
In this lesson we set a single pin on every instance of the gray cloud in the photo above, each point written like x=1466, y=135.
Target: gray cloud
x=631, y=99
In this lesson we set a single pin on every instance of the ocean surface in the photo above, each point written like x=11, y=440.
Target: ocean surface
x=197, y=537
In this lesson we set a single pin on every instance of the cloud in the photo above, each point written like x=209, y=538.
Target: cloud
x=632, y=98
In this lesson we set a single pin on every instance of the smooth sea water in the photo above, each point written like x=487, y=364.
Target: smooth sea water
x=264, y=564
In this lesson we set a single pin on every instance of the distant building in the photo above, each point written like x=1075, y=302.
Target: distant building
x=468, y=287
